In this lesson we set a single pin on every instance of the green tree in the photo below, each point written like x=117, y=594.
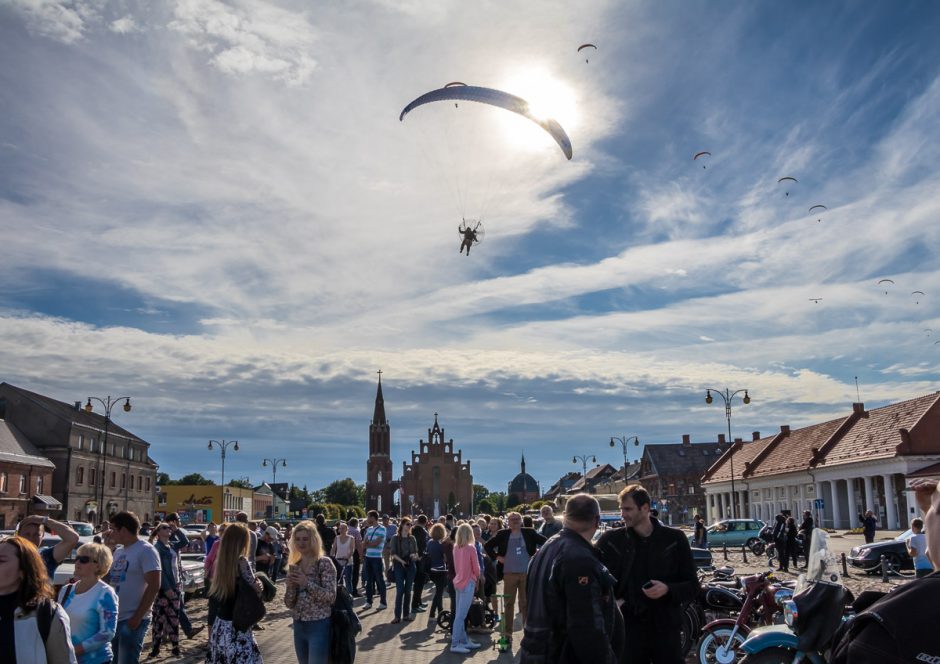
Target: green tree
x=241, y=483
x=194, y=479
x=498, y=498
x=164, y=480
x=341, y=492
x=361, y=495
x=479, y=493
x=485, y=507
x=512, y=500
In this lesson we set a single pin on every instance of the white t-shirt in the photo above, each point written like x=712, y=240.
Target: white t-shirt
x=919, y=542
x=130, y=565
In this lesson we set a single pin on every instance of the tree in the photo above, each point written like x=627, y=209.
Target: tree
x=341, y=492
x=485, y=507
x=164, y=480
x=241, y=483
x=479, y=493
x=361, y=495
x=512, y=501
x=194, y=479
x=498, y=499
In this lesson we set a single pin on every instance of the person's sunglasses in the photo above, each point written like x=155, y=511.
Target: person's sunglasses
x=84, y=560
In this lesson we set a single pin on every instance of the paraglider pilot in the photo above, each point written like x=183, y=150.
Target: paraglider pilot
x=469, y=237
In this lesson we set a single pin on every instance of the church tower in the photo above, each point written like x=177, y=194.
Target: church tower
x=379, y=484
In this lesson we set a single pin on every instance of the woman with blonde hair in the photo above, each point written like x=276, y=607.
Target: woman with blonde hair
x=92, y=605
x=467, y=571
x=311, y=591
x=228, y=645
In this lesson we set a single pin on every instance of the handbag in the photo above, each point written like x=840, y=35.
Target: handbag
x=249, y=608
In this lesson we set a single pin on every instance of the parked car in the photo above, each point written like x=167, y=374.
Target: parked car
x=702, y=557
x=86, y=531
x=194, y=572
x=733, y=533
x=868, y=556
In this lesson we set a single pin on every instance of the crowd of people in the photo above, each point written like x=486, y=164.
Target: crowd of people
x=607, y=597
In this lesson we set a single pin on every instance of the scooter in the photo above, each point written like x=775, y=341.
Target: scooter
x=811, y=617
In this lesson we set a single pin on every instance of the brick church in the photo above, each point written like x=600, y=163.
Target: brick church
x=436, y=481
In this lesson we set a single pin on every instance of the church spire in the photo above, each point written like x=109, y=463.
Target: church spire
x=522, y=465
x=378, y=417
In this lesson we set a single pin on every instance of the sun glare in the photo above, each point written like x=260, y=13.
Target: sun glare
x=548, y=97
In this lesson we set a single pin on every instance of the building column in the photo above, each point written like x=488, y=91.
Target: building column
x=742, y=495
x=890, y=506
x=834, y=501
x=870, y=503
x=726, y=505
x=853, y=499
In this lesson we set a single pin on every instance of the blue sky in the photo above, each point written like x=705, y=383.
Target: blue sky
x=213, y=207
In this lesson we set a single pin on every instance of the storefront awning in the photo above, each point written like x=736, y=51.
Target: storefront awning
x=46, y=503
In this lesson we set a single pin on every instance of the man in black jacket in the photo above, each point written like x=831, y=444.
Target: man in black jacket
x=655, y=575
x=420, y=533
x=573, y=616
x=512, y=548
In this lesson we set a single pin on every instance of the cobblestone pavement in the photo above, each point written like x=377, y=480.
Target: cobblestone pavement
x=414, y=642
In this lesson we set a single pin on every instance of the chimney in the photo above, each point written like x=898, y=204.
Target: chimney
x=686, y=440
x=721, y=439
x=858, y=408
x=785, y=429
x=78, y=405
x=755, y=435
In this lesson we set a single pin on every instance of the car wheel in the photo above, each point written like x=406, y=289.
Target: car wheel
x=893, y=561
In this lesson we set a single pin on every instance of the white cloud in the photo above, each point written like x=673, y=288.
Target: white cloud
x=124, y=25
x=61, y=20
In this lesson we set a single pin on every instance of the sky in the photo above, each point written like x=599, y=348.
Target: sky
x=212, y=207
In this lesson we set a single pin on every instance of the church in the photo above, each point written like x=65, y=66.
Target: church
x=437, y=480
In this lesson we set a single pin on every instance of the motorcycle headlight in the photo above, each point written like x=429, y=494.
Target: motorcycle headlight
x=790, y=613
x=854, y=552
x=782, y=596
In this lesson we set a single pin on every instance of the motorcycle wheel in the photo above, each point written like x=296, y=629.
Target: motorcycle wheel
x=770, y=656
x=711, y=647
x=756, y=546
x=690, y=630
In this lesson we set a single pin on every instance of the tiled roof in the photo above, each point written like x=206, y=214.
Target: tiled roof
x=594, y=475
x=793, y=453
x=876, y=435
x=677, y=459
x=16, y=448
x=71, y=414
x=743, y=453
x=933, y=470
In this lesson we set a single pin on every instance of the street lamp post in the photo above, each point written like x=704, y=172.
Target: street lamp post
x=108, y=403
x=728, y=396
x=274, y=463
x=583, y=458
x=223, y=445
x=623, y=440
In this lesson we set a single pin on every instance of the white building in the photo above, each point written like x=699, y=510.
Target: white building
x=836, y=469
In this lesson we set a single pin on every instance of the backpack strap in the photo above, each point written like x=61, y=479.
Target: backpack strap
x=45, y=613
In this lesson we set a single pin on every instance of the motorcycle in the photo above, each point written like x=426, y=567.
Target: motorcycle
x=756, y=603
x=811, y=617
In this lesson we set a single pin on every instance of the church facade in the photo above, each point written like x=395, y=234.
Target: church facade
x=437, y=480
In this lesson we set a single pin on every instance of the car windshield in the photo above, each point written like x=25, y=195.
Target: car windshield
x=906, y=535
x=83, y=529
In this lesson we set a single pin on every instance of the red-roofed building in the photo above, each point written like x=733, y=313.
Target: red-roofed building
x=838, y=469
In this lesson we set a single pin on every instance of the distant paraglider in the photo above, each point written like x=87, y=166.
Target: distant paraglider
x=787, y=178
x=815, y=300
x=821, y=208
x=582, y=47
x=885, y=283
x=472, y=232
x=702, y=154
x=917, y=295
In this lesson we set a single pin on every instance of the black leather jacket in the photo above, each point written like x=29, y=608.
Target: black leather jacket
x=572, y=615
x=670, y=561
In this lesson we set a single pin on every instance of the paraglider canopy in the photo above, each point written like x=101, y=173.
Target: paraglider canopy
x=917, y=295
x=787, y=178
x=821, y=209
x=885, y=282
x=493, y=98
x=584, y=46
x=704, y=153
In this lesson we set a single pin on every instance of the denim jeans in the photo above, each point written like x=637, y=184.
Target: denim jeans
x=375, y=575
x=464, y=599
x=128, y=642
x=404, y=578
x=312, y=641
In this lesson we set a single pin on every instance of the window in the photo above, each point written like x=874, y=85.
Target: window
x=148, y=485
x=22, y=483
x=113, y=479
x=123, y=480
x=4, y=479
x=79, y=475
x=92, y=444
x=81, y=441
x=692, y=490
x=39, y=485
x=140, y=482
x=92, y=476
x=161, y=498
